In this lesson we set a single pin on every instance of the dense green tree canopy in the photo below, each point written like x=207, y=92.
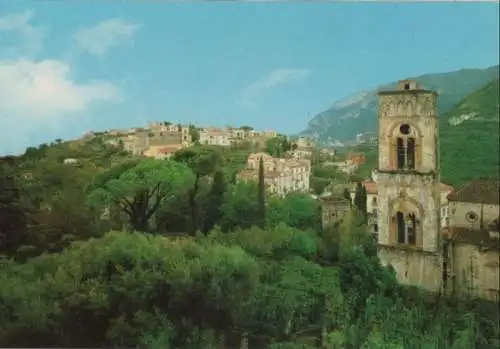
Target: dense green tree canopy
x=139, y=188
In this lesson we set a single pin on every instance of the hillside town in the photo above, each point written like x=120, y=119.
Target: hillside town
x=253, y=176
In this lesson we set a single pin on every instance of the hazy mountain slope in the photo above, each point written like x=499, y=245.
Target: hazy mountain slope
x=357, y=113
x=469, y=136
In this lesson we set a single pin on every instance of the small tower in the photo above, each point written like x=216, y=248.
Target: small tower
x=408, y=184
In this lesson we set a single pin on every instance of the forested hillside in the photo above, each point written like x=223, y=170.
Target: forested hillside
x=469, y=137
x=117, y=251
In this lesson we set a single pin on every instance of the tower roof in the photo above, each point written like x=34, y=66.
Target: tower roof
x=406, y=86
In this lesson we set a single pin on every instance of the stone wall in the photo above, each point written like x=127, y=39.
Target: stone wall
x=414, y=267
x=475, y=272
x=420, y=192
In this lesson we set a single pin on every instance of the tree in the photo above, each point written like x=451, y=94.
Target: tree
x=360, y=198
x=240, y=207
x=262, y=195
x=277, y=146
x=203, y=161
x=296, y=210
x=215, y=200
x=139, y=188
x=194, y=133
x=13, y=222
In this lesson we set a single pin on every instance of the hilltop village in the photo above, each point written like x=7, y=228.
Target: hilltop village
x=286, y=172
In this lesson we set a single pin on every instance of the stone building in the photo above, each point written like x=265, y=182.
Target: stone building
x=281, y=176
x=372, y=203
x=472, y=249
x=408, y=182
x=333, y=209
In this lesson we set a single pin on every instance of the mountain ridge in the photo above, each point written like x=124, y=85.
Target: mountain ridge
x=347, y=117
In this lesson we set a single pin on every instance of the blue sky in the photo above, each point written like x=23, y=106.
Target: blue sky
x=67, y=67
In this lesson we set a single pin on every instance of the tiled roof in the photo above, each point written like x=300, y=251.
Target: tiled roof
x=485, y=191
x=480, y=238
x=168, y=150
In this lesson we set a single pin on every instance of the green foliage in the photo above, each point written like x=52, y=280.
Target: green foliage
x=278, y=146
x=215, y=199
x=240, y=209
x=141, y=188
x=194, y=133
x=360, y=198
x=322, y=176
x=300, y=211
x=287, y=285
x=261, y=198
x=480, y=134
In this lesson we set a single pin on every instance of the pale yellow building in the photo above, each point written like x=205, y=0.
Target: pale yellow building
x=281, y=176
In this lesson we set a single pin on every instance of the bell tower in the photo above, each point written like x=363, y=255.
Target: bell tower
x=408, y=184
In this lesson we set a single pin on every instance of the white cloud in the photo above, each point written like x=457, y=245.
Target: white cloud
x=40, y=95
x=19, y=25
x=40, y=91
x=105, y=35
x=271, y=80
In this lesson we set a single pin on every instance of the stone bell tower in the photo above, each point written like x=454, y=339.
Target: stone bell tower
x=408, y=184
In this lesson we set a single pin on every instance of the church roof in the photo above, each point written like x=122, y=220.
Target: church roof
x=484, y=191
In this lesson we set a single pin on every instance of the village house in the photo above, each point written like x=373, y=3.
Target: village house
x=135, y=142
x=281, y=176
x=334, y=208
x=215, y=136
x=356, y=158
x=162, y=151
x=302, y=148
x=230, y=136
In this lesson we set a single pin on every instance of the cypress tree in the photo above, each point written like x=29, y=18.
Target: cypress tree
x=360, y=199
x=215, y=198
x=261, y=204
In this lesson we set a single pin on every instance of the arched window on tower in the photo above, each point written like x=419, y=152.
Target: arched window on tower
x=406, y=228
x=405, y=149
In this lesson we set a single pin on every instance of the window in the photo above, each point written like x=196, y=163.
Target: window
x=406, y=226
x=407, y=87
x=471, y=217
x=404, y=129
x=405, y=149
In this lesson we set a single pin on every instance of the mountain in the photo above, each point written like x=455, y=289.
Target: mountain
x=357, y=113
x=469, y=136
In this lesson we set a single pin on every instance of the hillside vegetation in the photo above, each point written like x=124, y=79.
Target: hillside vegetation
x=247, y=271
x=469, y=137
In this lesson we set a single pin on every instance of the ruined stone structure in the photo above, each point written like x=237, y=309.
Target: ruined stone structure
x=333, y=209
x=409, y=185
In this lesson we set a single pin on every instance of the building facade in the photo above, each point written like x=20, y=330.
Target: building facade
x=408, y=180
x=281, y=176
x=472, y=254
